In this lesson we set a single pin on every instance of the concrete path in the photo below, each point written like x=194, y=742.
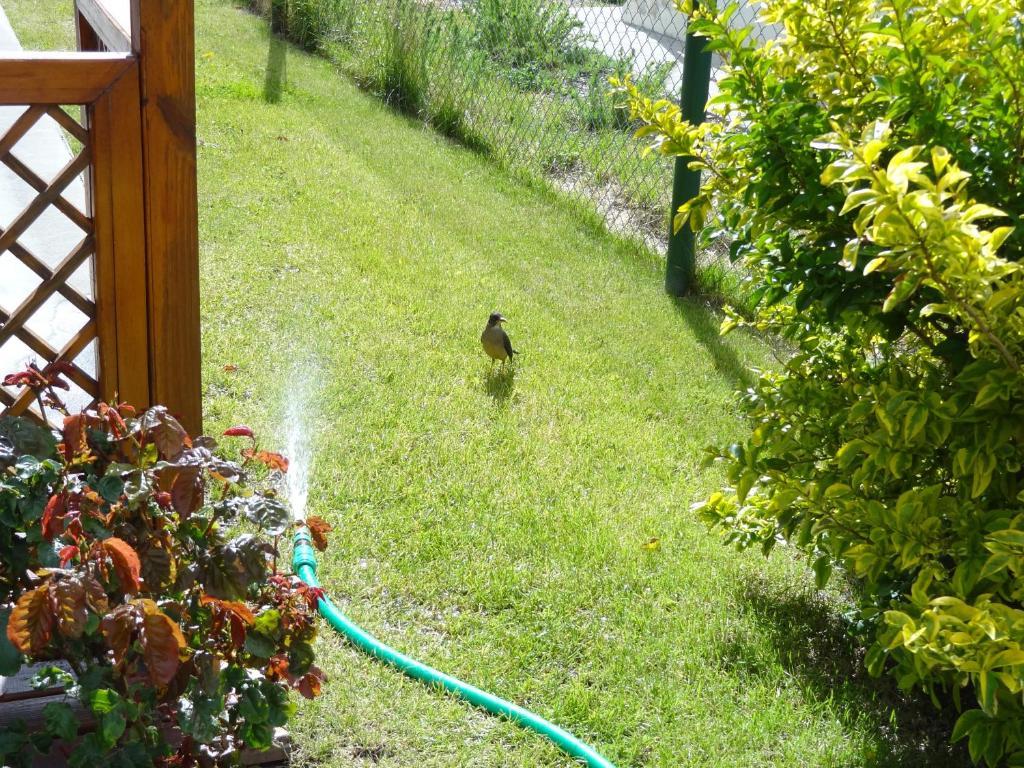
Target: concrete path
x=606, y=30
x=654, y=37
x=51, y=237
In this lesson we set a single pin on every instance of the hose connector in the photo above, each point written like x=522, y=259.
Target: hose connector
x=302, y=551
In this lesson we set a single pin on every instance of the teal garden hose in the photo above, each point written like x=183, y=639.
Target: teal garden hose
x=304, y=564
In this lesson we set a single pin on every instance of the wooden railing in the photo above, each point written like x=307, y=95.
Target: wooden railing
x=135, y=146
x=104, y=25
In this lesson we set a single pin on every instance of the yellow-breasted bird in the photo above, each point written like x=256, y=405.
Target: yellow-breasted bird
x=494, y=339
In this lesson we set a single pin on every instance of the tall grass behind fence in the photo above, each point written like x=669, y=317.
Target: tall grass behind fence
x=524, y=80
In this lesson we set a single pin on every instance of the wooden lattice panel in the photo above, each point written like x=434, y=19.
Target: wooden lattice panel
x=47, y=250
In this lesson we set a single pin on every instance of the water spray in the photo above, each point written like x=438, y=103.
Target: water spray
x=304, y=564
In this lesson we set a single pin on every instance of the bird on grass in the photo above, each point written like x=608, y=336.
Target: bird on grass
x=495, y=341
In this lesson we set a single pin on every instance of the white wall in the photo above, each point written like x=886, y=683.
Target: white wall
x=658, y=16
x=663, y=18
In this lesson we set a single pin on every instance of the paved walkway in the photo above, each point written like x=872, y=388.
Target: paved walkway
x=619, y=32
x=51, y=237
x=608, y=32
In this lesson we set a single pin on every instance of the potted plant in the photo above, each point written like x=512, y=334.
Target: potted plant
x=147, y=563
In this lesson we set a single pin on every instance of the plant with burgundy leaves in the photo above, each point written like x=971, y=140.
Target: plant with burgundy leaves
x=146, y=562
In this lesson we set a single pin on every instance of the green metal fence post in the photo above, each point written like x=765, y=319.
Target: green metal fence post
x=279, y=17
x=686, y=183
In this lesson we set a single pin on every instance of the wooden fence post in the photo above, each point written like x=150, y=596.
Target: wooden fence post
x=119, y=220
x=163, y=33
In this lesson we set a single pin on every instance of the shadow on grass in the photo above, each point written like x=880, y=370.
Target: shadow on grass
x=810, y=640
x=705, y=324
x=277, y=70
x=499, y=382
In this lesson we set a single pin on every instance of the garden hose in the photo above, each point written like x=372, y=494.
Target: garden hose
x=304, y=564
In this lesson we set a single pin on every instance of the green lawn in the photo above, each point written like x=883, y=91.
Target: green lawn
x=494, y=525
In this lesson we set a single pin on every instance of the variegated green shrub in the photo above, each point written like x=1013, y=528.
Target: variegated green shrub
x=868, y=167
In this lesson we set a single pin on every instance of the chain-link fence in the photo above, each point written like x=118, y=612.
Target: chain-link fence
x=525, y=80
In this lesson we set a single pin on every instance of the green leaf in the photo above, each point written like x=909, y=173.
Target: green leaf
x=300, y=658
x=253, y=705
x=111, y=726
x=60, y=720
x=199, y=718
x=1008, y=658
x=837, y=490
x=268, y=513
x=13, y=741
x=103, y=701
x=10, y=658
x=744, y=485
x=977, y=742
x=967, y=722
x=260, y=645
x=27, y=437
x=110, y=488
x=875, y=264
x=994, y=564
x=1009, y=537
x=822, y=571
x=988, y=685
x=874, y=660
x=856, y=199
x=989, y=393
x=915, y=421
x=268, y=622
x=967, y=575
x=89, y=752
x=258, y=736
x=981, y=480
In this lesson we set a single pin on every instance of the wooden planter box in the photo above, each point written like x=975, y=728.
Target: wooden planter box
x=19, y=701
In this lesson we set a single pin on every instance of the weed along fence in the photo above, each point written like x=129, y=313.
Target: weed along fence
x=98, y=221
x=525, y=80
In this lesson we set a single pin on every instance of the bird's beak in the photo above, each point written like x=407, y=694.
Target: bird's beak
x=502, y=319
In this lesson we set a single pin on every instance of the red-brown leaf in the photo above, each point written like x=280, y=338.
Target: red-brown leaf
x=31, y=622
x=73, y=528
x=60, y=368
x=114, y=419
x=313, y=596
x=53, y=517
x=272, y=460
x=318, y=530
x=20, y=379
x=309, y=684
x=159, y=568
x=238, y=431
x=126, y=563
x=165, y=431
x=277, y=667
x=94, y=594
x=70, y=608
x=238, y=631
x=67, y=554
x=118, y=627
x=187, y=491
x=237, y=608
x=162, y=643
x=74, y=436
x=30, y=377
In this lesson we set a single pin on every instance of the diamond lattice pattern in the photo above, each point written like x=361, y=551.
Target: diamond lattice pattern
x=47, y=302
